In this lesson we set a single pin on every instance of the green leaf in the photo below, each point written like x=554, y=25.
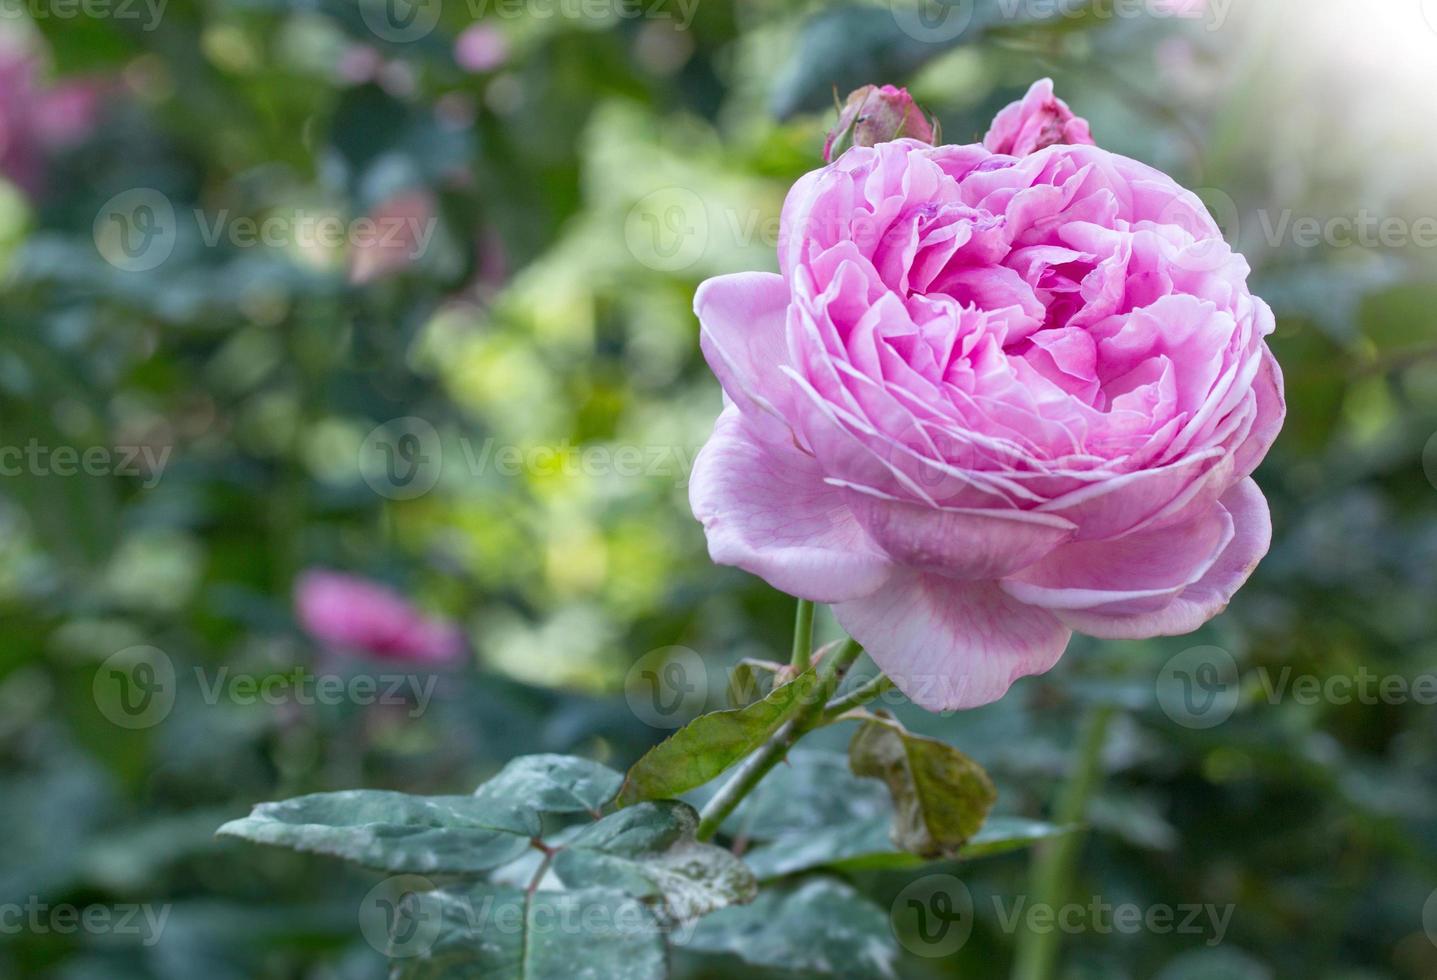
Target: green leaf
x=393, y=831
x=751, y=680
x=821, y=927
x=941, y=796
x=553, y=784
x=832, y=795
x=649, y=851
x=709, y=744
x=867, y=845
x=502, y=933
x=435, y=834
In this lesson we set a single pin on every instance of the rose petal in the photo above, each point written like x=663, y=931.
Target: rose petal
x=1207, y=597
x=949, y=645
x=766, y=509
x=741, y=333
x=1135, y=573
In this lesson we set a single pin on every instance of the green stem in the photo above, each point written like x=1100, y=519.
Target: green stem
x=858, y=697
x=1055, y=861
x=806, y=714
x=802, y=636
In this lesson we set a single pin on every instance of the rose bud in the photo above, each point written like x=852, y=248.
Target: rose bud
x=876, y=114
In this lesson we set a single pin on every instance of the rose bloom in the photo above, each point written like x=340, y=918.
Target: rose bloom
x=356, y=615
x=992, y=399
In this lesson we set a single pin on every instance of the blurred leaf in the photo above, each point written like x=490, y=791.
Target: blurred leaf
x=867, y=845
x=648, y=851
x=709, y=744
x=821, y=927
x=942, y=796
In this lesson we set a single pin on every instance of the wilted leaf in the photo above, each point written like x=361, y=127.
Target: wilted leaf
x=941, y=796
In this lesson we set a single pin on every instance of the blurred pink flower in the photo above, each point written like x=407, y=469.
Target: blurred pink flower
x=1040, y=120
x=354, y=614
x=481, y=48
x=399, y=231
x=876, y=114
x=36, y=120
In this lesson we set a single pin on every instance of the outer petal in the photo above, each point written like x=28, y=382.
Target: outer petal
x=1139, y=572
x=1205, y=598
x=1271, y=410
x=766, y=509
x=741, y=320
x=950, y=645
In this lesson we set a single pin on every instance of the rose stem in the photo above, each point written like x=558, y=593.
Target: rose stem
x=1054, y=861
x=802, y=636
x=806, y=713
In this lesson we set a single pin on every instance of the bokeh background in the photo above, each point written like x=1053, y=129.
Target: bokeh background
x=214, y=375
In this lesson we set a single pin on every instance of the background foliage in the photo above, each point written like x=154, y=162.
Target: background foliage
x=609, y=158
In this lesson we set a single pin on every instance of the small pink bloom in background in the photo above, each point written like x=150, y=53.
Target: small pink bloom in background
x=998, y=394
x=876, y=114
x=481, y=48
x=1040, y=120
x=38, y=120
x=400, y=229
x=352, y=614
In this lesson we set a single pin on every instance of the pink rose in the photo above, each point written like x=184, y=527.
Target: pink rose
x=876, y=114
x=991, y=400
x=354, y=614
x=1041, y=119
